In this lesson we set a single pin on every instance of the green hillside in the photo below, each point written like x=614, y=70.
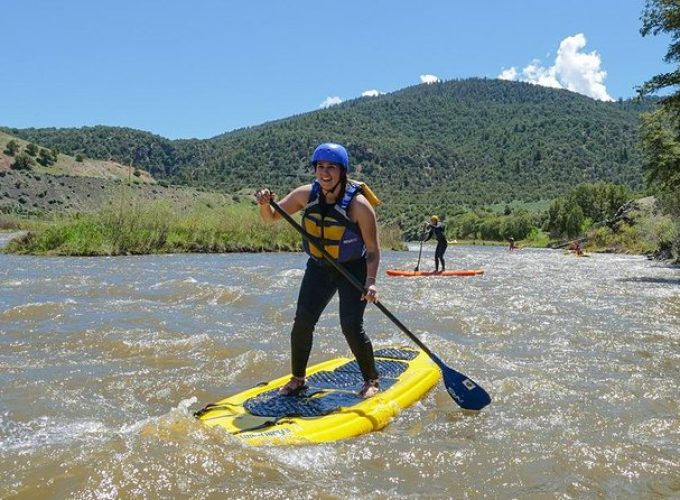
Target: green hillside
x=61, y=164
x=439, y=147
x=67, y=184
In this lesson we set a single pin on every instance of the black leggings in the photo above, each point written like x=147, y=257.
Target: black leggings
x=439, y=254
x=319, y=284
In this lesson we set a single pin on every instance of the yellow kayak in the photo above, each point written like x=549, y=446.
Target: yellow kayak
x=582, y=254
x=330, y=408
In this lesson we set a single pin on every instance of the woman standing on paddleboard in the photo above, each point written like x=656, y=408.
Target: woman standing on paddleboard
x=339, y=213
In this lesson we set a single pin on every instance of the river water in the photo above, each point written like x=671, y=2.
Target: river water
x=103, y=361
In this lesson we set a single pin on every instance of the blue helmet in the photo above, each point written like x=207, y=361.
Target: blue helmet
x=334, y=153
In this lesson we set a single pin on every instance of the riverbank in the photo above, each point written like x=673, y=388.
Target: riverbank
x=154, y=228
x=8, y=235
x=161, y=228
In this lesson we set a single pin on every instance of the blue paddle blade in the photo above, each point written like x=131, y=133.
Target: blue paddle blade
x=465, y=391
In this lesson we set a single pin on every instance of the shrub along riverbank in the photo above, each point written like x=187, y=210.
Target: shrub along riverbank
x=149, y=227
x=161, y=228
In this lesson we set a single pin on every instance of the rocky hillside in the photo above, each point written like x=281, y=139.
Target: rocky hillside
x=70, y=185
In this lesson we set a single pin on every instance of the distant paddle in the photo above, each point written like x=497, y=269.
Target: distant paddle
x=422, y=238
x=464, y=391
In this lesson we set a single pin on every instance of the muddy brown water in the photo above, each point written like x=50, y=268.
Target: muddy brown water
x=103, y=361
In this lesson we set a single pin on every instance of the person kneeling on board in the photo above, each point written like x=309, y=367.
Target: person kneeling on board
x=576, y=248
x=340, y=213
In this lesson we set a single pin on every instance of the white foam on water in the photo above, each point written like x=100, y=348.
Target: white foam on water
x=317, y=458
x=156, y=339
x=180, y=411
x=29, y=305
x=291, y=273
x=191, y=289
x=36, y=310
x=14, y=283
x=35, y=435
x=284, y=279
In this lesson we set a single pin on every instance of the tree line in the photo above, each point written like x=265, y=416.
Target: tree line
x=478, y=141
x=661, y=127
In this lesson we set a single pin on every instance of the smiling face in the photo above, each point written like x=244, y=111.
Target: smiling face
x=328, y=174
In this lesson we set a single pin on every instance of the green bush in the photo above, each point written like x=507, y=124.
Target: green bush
x=12, y=148
x=158, y=227
x=22, y=162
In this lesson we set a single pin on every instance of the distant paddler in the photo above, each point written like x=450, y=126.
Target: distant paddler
x=436, y=228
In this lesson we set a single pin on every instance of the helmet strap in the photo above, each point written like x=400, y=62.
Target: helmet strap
x=331, y=190
x=343, y=181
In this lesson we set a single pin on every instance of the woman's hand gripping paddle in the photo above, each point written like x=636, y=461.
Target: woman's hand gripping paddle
x=464, y=391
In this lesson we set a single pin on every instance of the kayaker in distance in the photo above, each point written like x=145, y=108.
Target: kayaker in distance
x=576, y=247
x=436, y=228
x=338, y=211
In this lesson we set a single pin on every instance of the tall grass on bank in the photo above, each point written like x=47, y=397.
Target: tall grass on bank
x=159, y=227
x=13, y=222
x=8, y=223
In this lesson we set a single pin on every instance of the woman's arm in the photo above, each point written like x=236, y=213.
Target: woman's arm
x=291, y=203
x=364, y=215
x=428, y=229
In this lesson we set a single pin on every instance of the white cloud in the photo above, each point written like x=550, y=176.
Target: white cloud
x=572, y=70
x=330, y=101
x=371, y=93
x=429, y=79
x=508, y=74
x=547, y=77
x=581, y=71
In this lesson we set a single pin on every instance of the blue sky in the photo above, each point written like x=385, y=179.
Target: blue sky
x=198, y=69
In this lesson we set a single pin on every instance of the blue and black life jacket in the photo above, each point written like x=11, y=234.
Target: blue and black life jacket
x=331, y=226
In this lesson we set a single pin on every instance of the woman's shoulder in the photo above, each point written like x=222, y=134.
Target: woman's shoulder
x=360, y=207
x=303, y=190
x=298, y=197
x=360, y=199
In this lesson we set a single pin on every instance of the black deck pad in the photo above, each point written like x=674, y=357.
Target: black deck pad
x=386, y=367
x=392, y=353
x=327, y=391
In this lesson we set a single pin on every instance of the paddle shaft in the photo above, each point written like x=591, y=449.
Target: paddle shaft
x=338, y=267
x=422, y=238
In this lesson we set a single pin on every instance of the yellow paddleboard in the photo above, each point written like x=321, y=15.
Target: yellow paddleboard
x=330, y=408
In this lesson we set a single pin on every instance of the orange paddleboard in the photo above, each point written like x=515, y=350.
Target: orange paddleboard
x=457, y=272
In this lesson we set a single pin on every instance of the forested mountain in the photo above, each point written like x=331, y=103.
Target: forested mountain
x=457, y=143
